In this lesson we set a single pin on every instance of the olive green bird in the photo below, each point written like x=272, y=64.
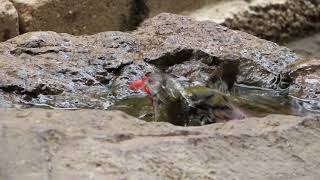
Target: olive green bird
x=191, y=106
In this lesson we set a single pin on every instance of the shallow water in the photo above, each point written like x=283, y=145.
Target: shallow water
x=259, y=102
x=252, y=101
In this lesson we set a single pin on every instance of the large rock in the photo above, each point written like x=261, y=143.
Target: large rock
x=78, y=17
x=44, y=144
x=41, y=65
x=276, y=20
x=9, y=26
x=174, y=39
x=92, y=16
x=279, y=21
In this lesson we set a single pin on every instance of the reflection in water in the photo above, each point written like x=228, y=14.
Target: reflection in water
x=261, y=102
x=253, y=101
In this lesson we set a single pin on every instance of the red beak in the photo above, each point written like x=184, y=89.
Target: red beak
x=139, y=84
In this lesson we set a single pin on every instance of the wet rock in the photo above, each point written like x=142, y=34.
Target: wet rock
x=9, y=26
x=47, y=63
x=47, y=67
x=196, y=71
x=94, y=144
x=128, y=74
x=306, y=77
x=198, y=67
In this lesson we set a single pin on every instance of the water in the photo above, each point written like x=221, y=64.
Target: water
x=252, y=101
x=258, y=102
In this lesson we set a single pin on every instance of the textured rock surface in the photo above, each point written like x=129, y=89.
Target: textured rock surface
x=180, y=39
x=279, y=21
x=92, y=16
x=263, y=18
x=175, y=6
x=276, y=20
x=75, y=17
x=44, y=144
x=35, y=66
x=306, y=78
x=9, y=26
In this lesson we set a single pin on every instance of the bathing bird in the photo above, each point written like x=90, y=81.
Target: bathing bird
x=185, y=106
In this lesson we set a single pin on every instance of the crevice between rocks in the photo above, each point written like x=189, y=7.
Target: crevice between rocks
x=40, y=89
x=182, y=55
x=227, y=69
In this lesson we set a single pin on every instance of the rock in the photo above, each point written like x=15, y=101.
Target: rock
x=78, y=17
x=199, y=69
x=306, y=75
x=176, y=39
x=89, y=17
x=128, y=74
x=86, y=144
x=9, y=26
x=278, y=21
x=79, y=71
x=180, y=6
x=6, y=100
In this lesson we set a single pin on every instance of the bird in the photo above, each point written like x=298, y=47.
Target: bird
x=185, y=106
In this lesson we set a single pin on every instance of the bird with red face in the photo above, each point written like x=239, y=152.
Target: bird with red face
x=190, y=106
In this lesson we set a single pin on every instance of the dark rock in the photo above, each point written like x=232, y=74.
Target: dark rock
x=174, y=39
x=47, y=65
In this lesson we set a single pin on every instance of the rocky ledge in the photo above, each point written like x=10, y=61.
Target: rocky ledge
x=85, y=71
x=91, y=144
